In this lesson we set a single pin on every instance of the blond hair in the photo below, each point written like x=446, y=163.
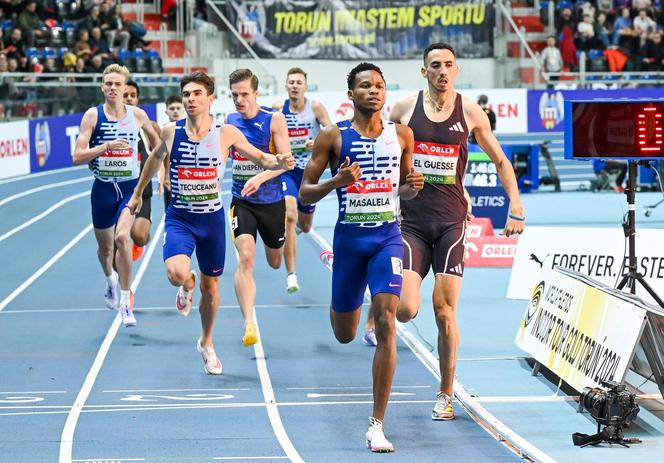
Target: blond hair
x=118, y=69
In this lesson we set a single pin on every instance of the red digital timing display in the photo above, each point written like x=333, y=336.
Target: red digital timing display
x=618, y=129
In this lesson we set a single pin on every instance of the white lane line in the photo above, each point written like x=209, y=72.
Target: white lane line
x=251, y=458
x=51, y=410
x=268, y=393
x=505, y=435
x=6, y=301
x=22, y=194
x=67, y=438
x=177, y=390
x=33, y=392
x=162, y=308
x=41, y=174
x=336, y=388
x=316, y=395
x=109, y=460
x=489, y=359
x=43, y=214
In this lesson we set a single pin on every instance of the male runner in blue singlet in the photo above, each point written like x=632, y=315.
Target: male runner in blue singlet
x=305, y=117
x=198, y=147
x=370, y=162
x=258, y=200
x=108, y=140
x=434, y=223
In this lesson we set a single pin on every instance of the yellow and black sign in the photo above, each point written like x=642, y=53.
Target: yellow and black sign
x=352, y=29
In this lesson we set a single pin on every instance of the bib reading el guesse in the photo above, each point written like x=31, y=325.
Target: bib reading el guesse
x=372, y=200
x=116, y=165
x=441, y=154
x=195, y=170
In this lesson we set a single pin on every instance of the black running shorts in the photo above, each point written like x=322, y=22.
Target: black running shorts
x=438, y=245
x=267, y=219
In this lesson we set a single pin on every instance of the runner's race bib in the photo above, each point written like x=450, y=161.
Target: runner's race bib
x=369, y=201
x=198, y=184
x=438, y=163
x=298, y=140
x=243, y=168
x=115, y=163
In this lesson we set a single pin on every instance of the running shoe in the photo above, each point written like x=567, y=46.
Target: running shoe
x=291, y=283
x=370, y=337
x=112, y=293
x=250, y=336
x=184, y=299
x=211, y=363
x=136, y=252
x=327, y=257
x=127, y=314
x=376, y=441
x=443, y=410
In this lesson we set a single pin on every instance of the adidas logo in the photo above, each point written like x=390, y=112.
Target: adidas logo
x=457, y=127
x=456, y=269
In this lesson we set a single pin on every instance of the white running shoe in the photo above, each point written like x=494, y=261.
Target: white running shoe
x=127, y=314
x=291, y=283
x=211, y=362
x=376, y=441
x=184, y=299
x=370, y=337
x=112, y=293
x=443, y=410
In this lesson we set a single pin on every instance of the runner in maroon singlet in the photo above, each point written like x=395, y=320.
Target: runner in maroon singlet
x=434, y=223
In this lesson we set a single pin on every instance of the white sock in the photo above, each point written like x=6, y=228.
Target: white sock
x=113, y=279
x=125, y=297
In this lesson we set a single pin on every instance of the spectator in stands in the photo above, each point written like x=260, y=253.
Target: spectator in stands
x=586, y=33
x=568, y=50
x=623, y=33
x=605, y=5
x=653, y=53
x=98, y=43
x=30, y=24
x=552, y=60
x=12, y=65
x=565, y=19
x=93, y=19
x=588, y=9
x=82, y=46
x=639, y=5
x=644, y=25
x=115, y=29
x=618, y=5
x=8, y=89
x=95, y=65
x=602, y=32
x=11, y=7
x=15, y=46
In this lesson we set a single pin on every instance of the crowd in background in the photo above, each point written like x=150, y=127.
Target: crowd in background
x=615, y=35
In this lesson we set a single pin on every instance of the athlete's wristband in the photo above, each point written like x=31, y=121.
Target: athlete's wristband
x=513, y=217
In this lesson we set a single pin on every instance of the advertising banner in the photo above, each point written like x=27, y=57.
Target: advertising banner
x=596, y=252
x=581, y=330
x=363, y=29
x=14, y=149
x=52, y=141
x=546, y=108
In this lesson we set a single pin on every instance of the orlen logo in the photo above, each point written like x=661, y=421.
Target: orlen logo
x=473, y=231
x=197, y=174
x=369, y=186
x=499, y=250
x=436, y=149
x=298, y=132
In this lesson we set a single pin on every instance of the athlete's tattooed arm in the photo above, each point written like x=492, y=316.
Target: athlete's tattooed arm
x=478, y=122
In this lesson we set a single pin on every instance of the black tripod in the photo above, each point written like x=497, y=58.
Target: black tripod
x=632, y=276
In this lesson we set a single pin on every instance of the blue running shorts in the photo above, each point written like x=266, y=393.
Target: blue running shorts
x=206, y=233
x=108, y=200
x=290, y=182
x=365, y=256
